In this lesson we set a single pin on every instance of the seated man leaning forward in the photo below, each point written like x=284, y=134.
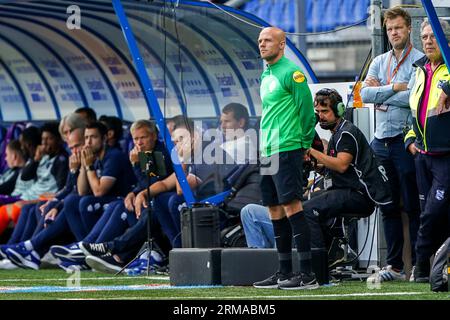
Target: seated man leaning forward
x=354, y=180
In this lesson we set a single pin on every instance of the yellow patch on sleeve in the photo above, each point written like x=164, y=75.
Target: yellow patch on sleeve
x=298, y=77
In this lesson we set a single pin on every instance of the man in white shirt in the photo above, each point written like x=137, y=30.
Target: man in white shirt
x=239, y=143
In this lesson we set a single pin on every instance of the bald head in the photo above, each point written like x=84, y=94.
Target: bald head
x=279, y=34
x=271, y=43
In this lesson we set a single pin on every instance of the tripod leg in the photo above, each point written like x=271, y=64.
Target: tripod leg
x=148, y=260
x=142, y=250
x=148, y=246
x=149, y=233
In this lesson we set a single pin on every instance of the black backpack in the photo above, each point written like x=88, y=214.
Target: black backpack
x=233, y=237
x=439, y=272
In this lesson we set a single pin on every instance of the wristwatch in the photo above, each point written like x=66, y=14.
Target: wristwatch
x=90, y=168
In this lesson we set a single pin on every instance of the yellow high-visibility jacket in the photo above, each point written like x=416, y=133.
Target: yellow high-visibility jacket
x=434, y=136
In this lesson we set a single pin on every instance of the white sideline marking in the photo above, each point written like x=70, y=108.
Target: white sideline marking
x=57, y=289
x=260, y=297
x=93, y=278
x=366, y=294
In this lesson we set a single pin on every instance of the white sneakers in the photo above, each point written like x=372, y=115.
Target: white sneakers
x=388, y=274
x=6, y=264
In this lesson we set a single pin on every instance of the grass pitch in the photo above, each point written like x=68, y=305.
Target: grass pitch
x=55, y=284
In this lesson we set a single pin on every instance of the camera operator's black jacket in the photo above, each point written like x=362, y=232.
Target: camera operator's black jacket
x=365, y=167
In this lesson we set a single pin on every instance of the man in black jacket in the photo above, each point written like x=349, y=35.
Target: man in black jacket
x=354, y=181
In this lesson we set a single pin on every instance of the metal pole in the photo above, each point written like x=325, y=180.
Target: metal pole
x=152, y=101
x=301, y=25
x=437, y=30
x=377, y=30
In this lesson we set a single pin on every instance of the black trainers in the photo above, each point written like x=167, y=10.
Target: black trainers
x=105, y=263
x=300, y=281
x=420, y=274
x=94, y=249
x=272, y=281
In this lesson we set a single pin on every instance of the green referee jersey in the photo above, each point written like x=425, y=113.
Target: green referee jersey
x=288, y=120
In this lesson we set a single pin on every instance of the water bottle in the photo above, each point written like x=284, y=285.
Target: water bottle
x=357, y=99
x=373, y=281
x=156, y=258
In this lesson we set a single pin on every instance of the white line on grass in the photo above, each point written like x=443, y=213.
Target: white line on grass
x=263, y=297
x=56, y=289
x=367, y=294
x=82, y=279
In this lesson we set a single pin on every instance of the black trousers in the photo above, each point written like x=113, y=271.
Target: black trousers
x=433, y=180
x=127, y=245
x=400, y=169
x=327, y=204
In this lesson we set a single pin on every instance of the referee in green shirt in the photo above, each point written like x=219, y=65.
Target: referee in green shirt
x=287, y=129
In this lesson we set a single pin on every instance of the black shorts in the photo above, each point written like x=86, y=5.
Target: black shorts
x=286, y=184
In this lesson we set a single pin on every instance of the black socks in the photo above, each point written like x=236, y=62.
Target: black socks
x=283, y=241
x=302, y=238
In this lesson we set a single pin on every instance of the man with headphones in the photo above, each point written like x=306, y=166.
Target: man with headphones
x=386, y=86
x=354, y=180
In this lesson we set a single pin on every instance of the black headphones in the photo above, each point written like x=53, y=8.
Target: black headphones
x=338, y=106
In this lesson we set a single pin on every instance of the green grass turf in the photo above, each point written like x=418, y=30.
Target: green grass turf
x=347, y=290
